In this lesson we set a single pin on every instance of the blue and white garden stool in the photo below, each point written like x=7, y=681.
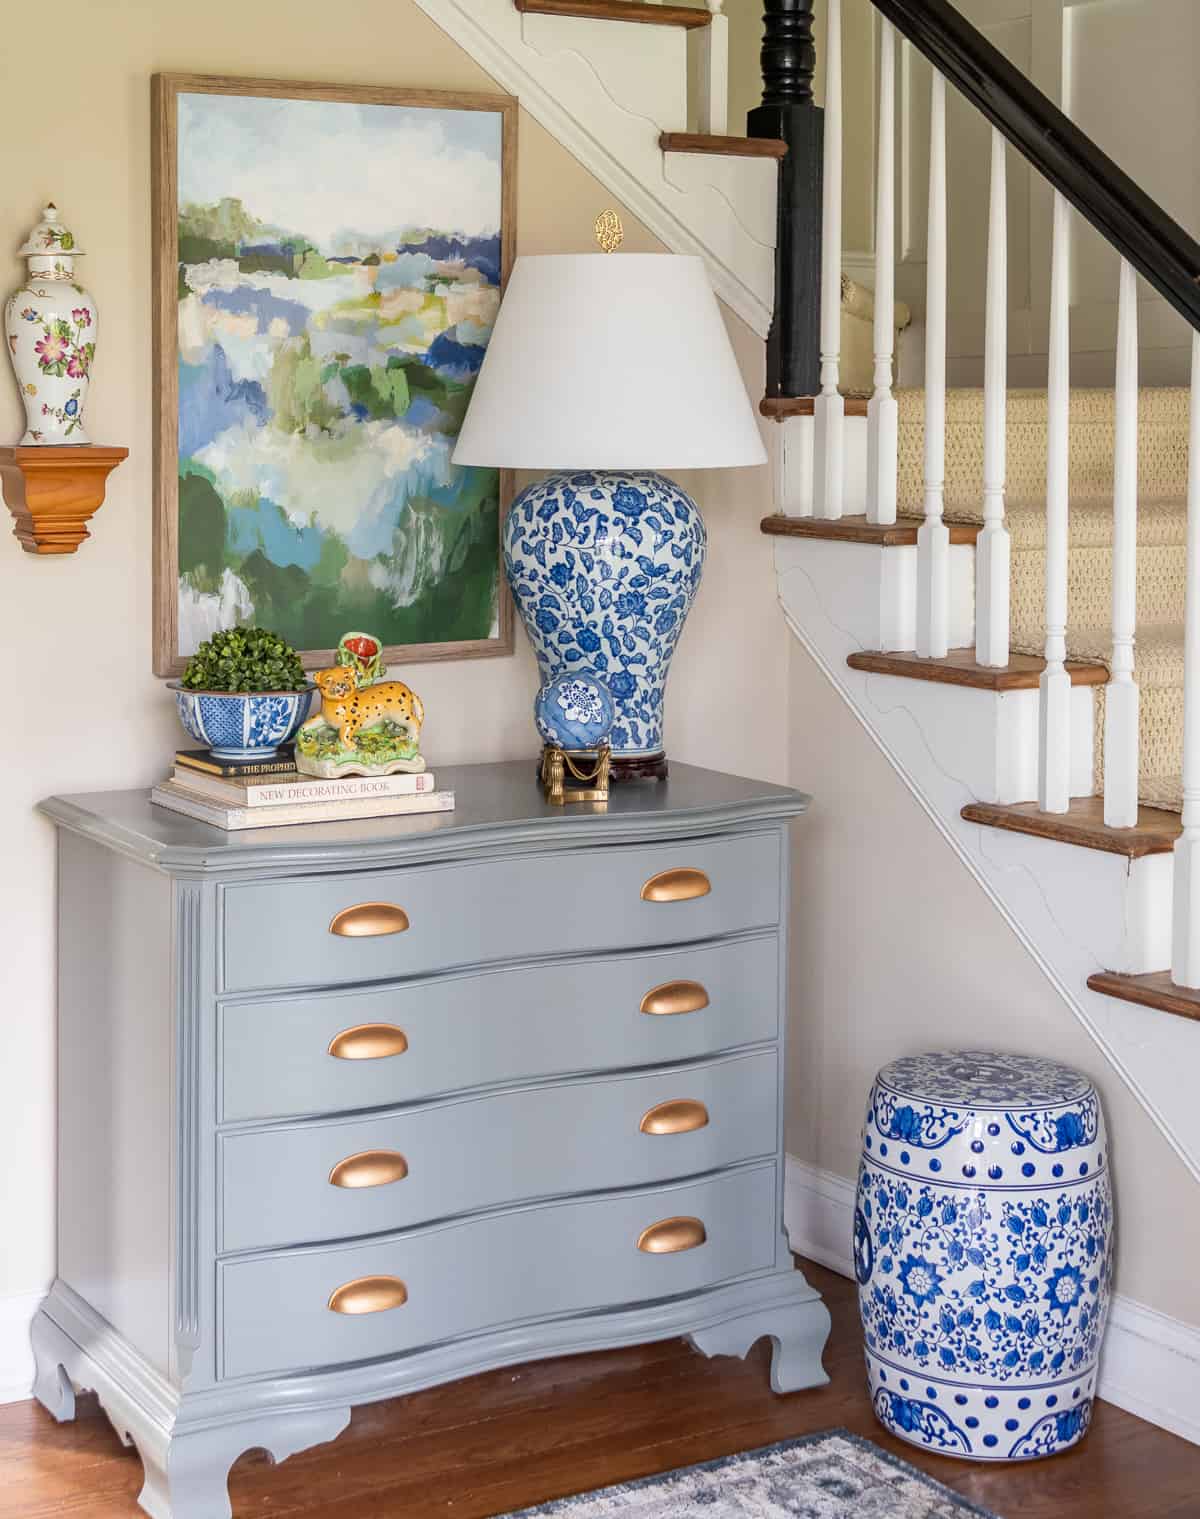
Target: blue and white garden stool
x=983, y=1248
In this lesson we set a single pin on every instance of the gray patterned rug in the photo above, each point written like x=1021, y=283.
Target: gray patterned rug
x=835, y=1475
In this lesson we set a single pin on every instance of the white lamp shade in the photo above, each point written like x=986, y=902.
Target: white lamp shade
x=609, y=361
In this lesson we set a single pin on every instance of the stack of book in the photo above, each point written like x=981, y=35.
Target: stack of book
x=234, y=794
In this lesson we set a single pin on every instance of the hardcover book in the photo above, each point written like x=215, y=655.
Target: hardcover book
x=291, y=788
x=282, y=762
x=205, y=810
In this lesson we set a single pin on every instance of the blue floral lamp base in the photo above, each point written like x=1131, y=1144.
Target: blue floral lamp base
x=983, y=1250
x=604, y=567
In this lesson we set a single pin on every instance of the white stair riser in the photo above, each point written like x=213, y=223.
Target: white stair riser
x=1118, y=909
x=749, y=186
x=795, y=461
x=643, y=68
x=991, y=736
x=877, y=589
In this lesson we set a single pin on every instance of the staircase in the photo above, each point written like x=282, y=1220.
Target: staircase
x=995, y=580
x=998, y=580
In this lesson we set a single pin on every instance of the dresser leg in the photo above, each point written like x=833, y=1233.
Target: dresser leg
x=51, y=1384
x=188, y=1477
x=797, y=1332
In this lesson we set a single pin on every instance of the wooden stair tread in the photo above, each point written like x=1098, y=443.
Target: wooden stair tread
x=1153, y=990
x=1083, y=824
x=900, y=534
x=802, y=406
x=619, y=10
x=960, y=668
x=730, y=147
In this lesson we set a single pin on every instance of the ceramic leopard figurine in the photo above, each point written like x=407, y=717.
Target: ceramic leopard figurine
x=366, y=725
x=349, y=707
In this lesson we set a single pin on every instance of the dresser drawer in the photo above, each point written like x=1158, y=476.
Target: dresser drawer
x=376, y=1175
x=456, y=1032
x=375, y=926
x=334, y=1304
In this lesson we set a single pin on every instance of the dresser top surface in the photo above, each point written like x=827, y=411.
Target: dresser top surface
x=495, y=805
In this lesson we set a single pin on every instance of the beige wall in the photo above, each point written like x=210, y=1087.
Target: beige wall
x=898, y=950
x=91, y=714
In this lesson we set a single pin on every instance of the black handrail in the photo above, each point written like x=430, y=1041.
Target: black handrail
x=1136, y=226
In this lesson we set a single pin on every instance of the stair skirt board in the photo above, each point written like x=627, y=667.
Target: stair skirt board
x=1150, y=1364
x=1077, y=911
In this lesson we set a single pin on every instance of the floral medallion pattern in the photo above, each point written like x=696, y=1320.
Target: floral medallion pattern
x=984, y=1269
x=604, y=568
x=574, y=712
x=984, y=1078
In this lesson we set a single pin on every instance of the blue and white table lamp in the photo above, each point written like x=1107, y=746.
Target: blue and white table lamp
x=605, y=369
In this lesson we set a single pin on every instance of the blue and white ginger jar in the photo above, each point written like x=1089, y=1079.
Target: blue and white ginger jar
x=983, y=1241
x=604, y=568
x=574, y=712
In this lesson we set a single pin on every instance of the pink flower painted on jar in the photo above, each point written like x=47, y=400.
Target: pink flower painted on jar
x=77, y=364
x=81, y=316
x=51, y=350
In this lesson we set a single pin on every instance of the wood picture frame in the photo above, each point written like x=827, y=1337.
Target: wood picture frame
x=168, y=277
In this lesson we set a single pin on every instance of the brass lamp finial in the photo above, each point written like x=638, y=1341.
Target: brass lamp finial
x=609, y=232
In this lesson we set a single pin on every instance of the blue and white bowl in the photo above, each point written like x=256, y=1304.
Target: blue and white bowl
x=983, y=1241
x=240, y=725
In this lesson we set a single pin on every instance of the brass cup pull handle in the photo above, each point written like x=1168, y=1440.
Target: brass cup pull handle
x=369, y=1168
x=679, y=885
x=674, y=997
x=368, y=1294
x=368, y=1041
x=369, y=920
x=670, y=1235
x=679, y=1116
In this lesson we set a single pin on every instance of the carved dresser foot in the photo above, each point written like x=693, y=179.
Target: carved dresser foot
x=51, y=1354
x=797, y=1332
x=188, y=1479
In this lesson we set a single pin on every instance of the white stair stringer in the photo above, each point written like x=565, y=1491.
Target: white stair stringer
x=1076, y=910
x=606, y=90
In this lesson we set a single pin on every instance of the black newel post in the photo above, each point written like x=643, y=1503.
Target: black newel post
x=788, y=61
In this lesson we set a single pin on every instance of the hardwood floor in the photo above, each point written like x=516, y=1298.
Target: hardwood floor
x=519, y=1436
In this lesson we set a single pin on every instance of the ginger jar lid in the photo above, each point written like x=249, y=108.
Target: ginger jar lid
x=50, y=237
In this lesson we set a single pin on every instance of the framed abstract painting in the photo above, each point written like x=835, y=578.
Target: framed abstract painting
x=328, y=267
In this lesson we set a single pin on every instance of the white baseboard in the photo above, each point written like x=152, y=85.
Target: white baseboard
x=1150, y=1365
x=16, y=1355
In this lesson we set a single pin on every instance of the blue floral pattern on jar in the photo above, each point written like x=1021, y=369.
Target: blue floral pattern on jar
x=604, y=567
x=983, y=1250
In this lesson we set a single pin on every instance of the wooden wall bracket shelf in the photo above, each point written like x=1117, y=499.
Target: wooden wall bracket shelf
x=53, y=490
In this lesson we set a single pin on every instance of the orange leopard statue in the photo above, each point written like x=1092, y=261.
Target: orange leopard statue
x=348, y=707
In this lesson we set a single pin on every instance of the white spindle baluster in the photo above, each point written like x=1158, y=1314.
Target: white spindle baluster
x=1054, y=747
x=713, y=113
x=1185, y=948
x=882, y=417
x=1121, y=693
x=829, y=408
x=992, y=545
x=933, y=539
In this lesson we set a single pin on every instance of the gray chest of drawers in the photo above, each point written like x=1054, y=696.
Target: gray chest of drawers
x=350, y=1110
